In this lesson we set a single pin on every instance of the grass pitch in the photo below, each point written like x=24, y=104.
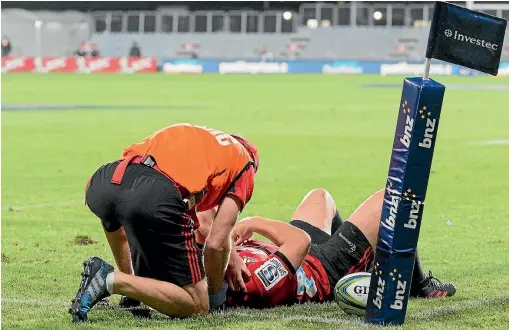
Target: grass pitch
x=312, y=131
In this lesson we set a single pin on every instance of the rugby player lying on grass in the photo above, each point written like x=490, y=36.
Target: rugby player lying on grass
x=304, y=261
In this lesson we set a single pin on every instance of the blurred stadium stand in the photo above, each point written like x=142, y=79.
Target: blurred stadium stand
x=326, y=31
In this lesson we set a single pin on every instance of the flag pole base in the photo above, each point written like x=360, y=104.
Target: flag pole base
x=427, y=66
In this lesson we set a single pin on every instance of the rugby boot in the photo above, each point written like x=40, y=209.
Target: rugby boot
x=434, y=288
x=92, y=288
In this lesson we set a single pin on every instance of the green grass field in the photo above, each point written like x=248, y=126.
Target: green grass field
x=312, y=131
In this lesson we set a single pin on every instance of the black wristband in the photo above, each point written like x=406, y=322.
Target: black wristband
x=286, y=261
x=217, y=299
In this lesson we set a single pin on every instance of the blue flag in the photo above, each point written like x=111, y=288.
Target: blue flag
x=462, y=36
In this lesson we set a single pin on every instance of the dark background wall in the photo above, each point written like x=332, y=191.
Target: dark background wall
x=152, y=5
x=148, y=5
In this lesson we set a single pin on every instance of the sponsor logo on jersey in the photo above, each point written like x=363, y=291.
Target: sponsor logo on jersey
x=271, y=273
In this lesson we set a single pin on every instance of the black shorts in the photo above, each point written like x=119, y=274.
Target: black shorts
x=346, y=251
x=151, y=211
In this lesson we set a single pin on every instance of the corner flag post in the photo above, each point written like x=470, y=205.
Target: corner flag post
x=460, y=36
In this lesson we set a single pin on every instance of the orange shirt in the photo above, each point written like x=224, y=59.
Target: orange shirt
x=198, y=158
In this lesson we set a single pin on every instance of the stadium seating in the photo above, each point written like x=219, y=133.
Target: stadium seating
x=62, y=32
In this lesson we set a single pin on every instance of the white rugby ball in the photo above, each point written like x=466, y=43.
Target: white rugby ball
x=351, y=293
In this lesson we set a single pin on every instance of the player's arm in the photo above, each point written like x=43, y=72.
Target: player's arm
x=293, y=242
x=218, y=243
x=237, y=272
x=205, y=218
x=220, y=254
x=120, y=249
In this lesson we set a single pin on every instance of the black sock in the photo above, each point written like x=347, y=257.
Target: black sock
x=337, y=221
x=419, y=279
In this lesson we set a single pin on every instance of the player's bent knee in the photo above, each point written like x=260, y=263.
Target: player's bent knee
x=199, y=309
x=379, y=195
x=199, y=295
x=317, y=192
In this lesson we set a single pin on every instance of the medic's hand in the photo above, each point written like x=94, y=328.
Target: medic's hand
x=237, y=273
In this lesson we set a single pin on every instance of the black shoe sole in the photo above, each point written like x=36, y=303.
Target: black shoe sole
x=77, y=316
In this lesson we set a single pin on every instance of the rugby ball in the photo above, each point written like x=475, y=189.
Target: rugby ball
x=351, y=293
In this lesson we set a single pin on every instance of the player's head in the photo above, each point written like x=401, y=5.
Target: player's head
x=251, y=149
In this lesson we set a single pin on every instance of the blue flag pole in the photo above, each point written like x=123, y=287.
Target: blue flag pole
x=407, y=182
x=457, y=35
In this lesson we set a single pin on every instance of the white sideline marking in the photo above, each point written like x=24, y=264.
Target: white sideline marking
x=492, y=142
x=464, y=305
x=255, y=315
x=312, y=319
x=18, y=208
x=34, y=301
x=420, y=316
